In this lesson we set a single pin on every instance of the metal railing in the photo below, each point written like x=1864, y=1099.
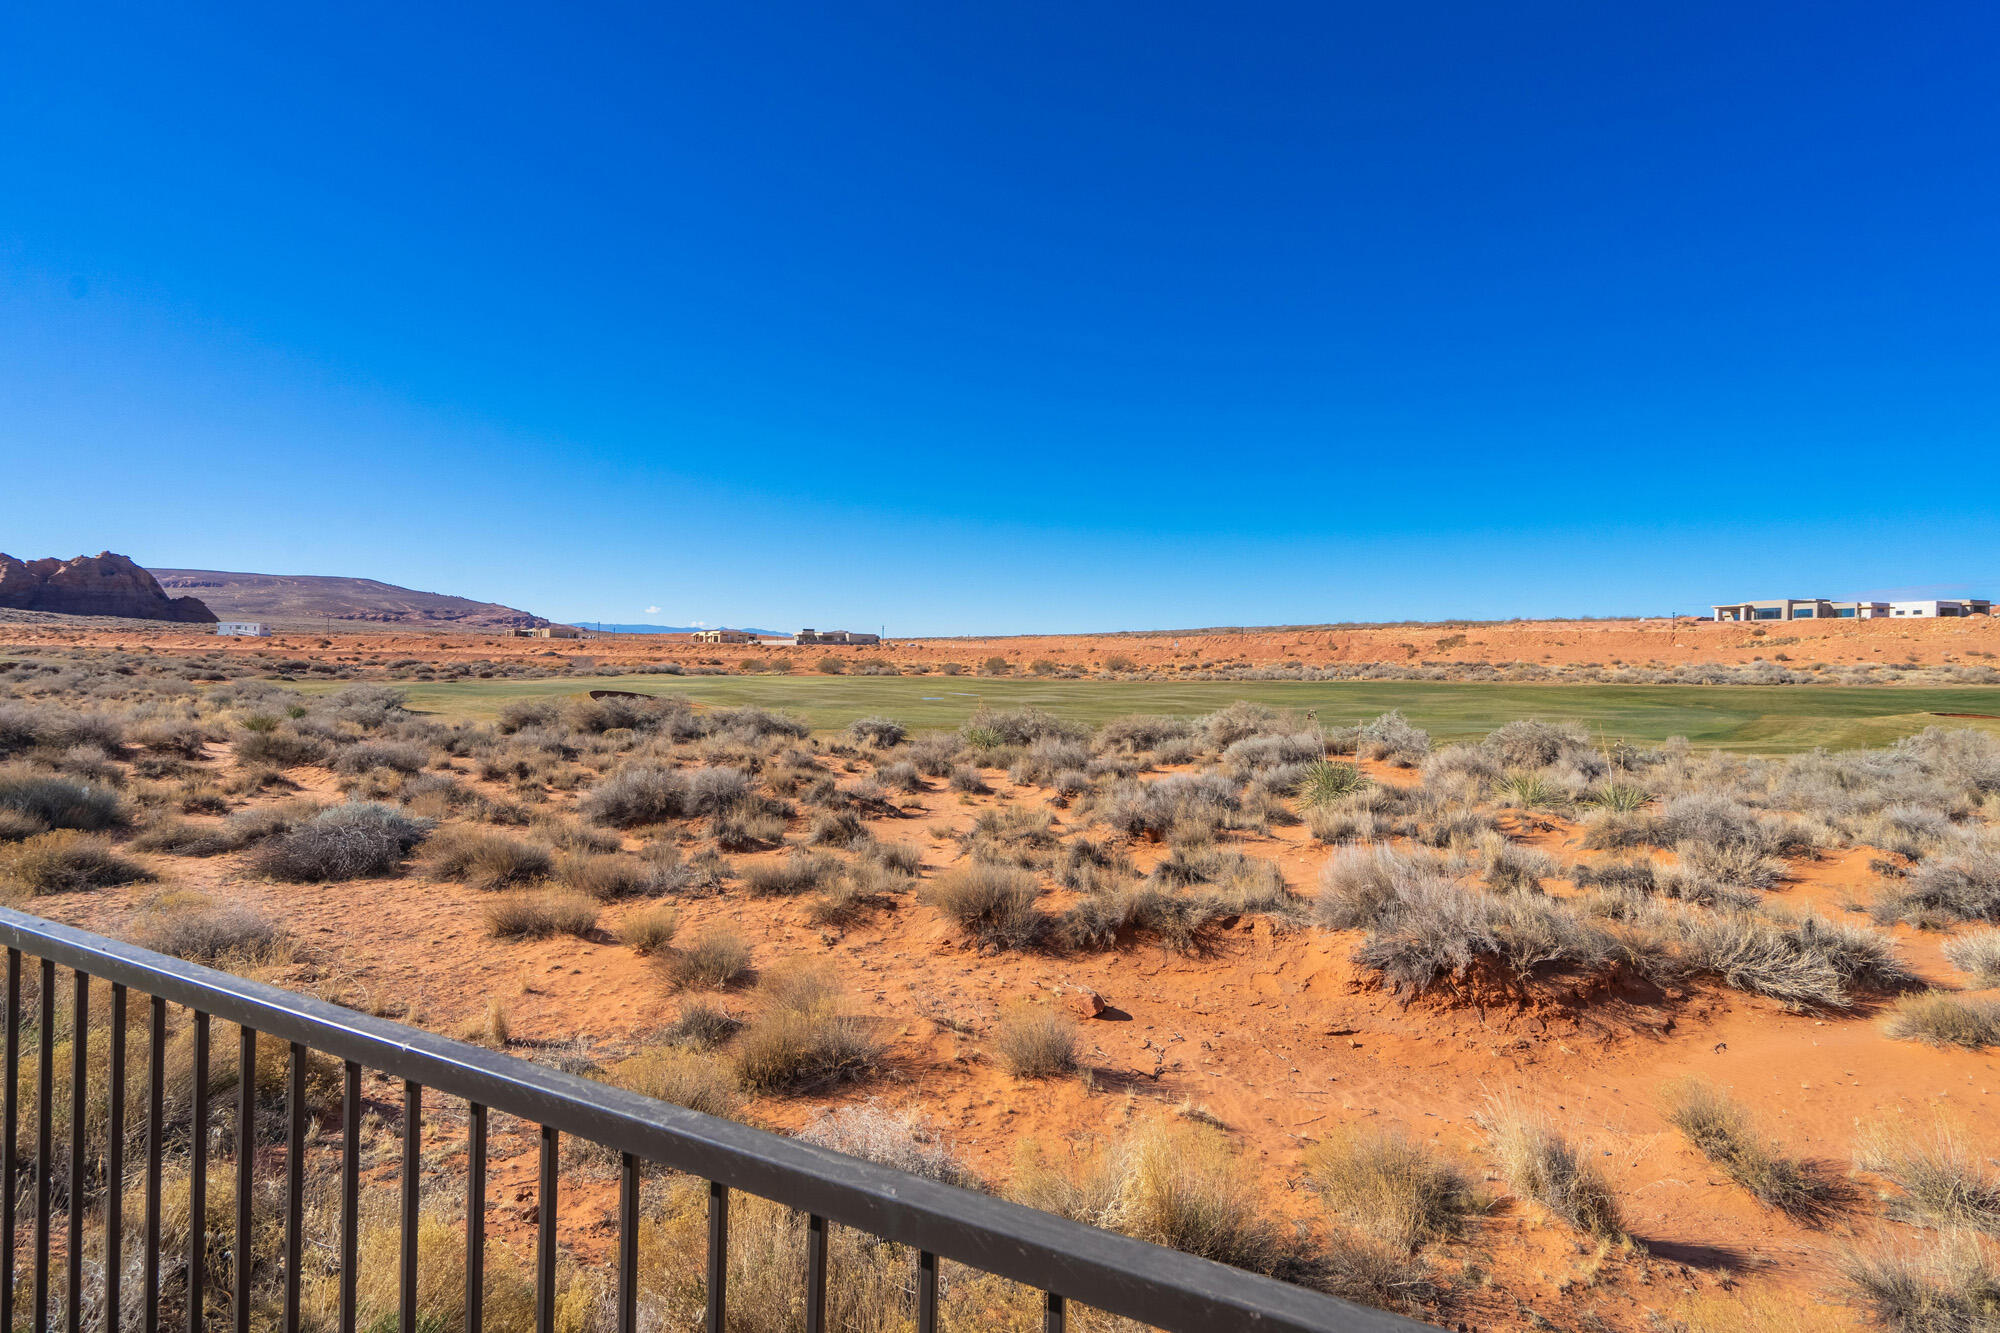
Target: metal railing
x=1066, y=1261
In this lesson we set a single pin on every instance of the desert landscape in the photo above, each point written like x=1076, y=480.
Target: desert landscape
x=1517, y=1029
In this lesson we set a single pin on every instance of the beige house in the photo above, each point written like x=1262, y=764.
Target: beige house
x=723, y=636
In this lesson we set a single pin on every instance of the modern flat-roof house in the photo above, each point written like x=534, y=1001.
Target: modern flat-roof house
x=1943, y=606
x=242, y=629
x=724, y=636
x=835, y=636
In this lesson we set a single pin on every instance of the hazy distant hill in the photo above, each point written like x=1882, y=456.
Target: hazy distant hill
x=606, y=627
x=309, y=601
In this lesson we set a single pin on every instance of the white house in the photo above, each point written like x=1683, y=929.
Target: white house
x=242, y=629
x=1943, y=606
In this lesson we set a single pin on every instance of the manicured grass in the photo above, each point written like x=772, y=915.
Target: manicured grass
x=1753, y=719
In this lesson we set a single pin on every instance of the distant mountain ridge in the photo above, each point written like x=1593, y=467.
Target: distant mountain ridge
x=105, y=584
x=606, y=627
x=310, y=601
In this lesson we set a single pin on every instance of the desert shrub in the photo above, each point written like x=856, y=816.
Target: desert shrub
x=746, y=826
x=965, y=778
x=1138, y=733
x=1619, y=797
x=343, y=842
x=904, y=1140
x=710, y=791
x=680, y=1076
x=881, y=732
x=934, y=753
x=1021, y=726
x=901, y=776
x=1735, y=865
x=539, y=914
x=186, y=739
x=1325, y=781
x=650, y=929
x=1941, y=1180
x=1384, y=1184
x=59, y=803
x=278, y=748
x=1509, y=867
x=717, y=958
x=830, y=665
x=1713, y=821
x=836, y=828
x=1036, y=1041
x=609, y=876
x=1259, y=754
x=1529, y=743
x=371, y=755
x=1154, y=809
x=1392, y=739
x=517, y=714
x=801, y=872
x=1977, y=953
x=201, y=929
x=1721, y=1130
x=636, y=794
x=1048, y=756
x=484, y=860
x=1964, y=887
x=1539, y=1163
x=701, y=1027
x=15, y=826
x=66, y=861
x=804, y=1041
x=1809, y=963
x=1939, y=1018
x=995, y=905
x=1948, y=1287
x=1611, y=830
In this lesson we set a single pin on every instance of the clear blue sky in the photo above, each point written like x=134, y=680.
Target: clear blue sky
x=1010, y=317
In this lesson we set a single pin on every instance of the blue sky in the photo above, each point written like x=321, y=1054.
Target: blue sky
x=1010, y=318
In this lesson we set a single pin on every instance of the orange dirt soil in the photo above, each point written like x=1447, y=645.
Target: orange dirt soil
x=1277, y=1036
x=1550, y=643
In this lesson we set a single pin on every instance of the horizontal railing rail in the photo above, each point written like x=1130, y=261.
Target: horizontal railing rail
x=1065, y=1260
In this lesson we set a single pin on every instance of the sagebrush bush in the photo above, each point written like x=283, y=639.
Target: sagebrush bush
x=58, y=803
x=66, y=861
x=1952, y=1286
x=484, y=860
x=650, y=929
x=540, y=913
x=636, y=794
x=805, y=1041
x=903, y=1139
x=717, y=958
x=801, y=872
x=343, y=842
x=1977, y=953
x=202, y=929
x=1963, y=887
x=994, y=904
x=1942, y=1180
x=881, y=732
x=1939, y=1018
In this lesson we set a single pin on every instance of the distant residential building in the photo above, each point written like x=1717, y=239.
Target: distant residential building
x=724, y=636
x=242, y=629
x=835, y=636
x=1820, y=608
x=551, y=632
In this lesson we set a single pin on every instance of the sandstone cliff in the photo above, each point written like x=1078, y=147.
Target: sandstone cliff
x=93, y=585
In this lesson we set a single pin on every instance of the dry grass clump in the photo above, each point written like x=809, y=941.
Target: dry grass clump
x=1386, y=1185
x=1721, y=1130
x=636, y=794
x=343, y=842
x=994, y=904
x=202, y=929
x=650, y=929
x=484, y=860
x=1977, y=953
x=606, y=876
x=801, y=872
x=1541, y=1164
x=1939, y=1018
x=698, y=1082
x=540, y=913
x=701, y=1027
x=1811, y=963
x=1942, y=1181
x=746, y=826
x=1036, y=1041
x=881, y=732
x=967, y=779
x=903, y=1139
x=1508, y=867
x=58, y=803
x=803, y=1040
x=717, y=958
x=1949, y=1286
x=66, y=861
x=1965, y=887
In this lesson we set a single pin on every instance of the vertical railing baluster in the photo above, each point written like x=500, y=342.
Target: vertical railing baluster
x=545, y=1238
x=413, y=1139
x=815, y=1273
x=1052, y=1312
x=246, y=1166
x=350, y=1192
x=475, y=1219
x=45, y=1047
x=10, y=1150
x=156, y=1129
x=295, y=1182
x=628, y=1243
x=718, y=1256
x=927, y=1276
x=114, y=1164
x=79, y=1102
x=197, y=1256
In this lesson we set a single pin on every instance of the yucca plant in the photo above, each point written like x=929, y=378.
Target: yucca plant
x=1619, y=796
x=1326, y=782
x=1529, y=791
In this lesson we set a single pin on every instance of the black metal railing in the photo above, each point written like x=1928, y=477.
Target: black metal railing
x=1066, y=1261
